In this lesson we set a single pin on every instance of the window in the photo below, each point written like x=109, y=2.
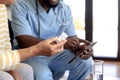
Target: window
x=105, y=28
x=101, y=24
x=78, y=13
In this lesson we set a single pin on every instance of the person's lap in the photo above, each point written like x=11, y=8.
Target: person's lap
x=44, y=66
x=26, y=71
x=5, y=76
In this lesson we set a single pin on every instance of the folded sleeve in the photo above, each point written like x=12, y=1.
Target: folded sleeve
x=9, y=60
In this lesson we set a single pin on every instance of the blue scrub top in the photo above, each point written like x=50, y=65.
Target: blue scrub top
x=30, y=19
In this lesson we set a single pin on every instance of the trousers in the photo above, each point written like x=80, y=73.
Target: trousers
x=52, y=68
x=25, y=71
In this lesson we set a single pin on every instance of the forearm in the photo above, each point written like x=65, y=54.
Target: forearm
x=27, y=53
x=6, y=1
x=43, y=48
x=25, y=41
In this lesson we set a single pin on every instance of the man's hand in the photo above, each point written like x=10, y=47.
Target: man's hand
x=86, y=54
x=77, y=45
x=73, y=43
x=87, y=51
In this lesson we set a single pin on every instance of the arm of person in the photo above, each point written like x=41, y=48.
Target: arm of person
x=73, y=42
x=6, y=1
x=25, y=41
x=42, y=48
x=9, y=60
x=77, y=45
x=22, y=28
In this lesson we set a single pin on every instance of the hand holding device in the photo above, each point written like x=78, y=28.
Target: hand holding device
x=84, y=51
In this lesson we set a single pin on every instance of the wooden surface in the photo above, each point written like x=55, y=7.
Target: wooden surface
x=111, y=70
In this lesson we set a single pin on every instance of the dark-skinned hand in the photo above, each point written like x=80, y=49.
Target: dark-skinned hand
x=77, y=45
x=72, y=44
x=86, y=54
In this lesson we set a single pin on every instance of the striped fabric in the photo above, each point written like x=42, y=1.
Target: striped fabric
x=8, y=59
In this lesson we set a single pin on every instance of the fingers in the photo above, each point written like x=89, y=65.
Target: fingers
x=49, y=49
x=86, y=54
x=60, y=44
x=73, y=44
x=84, y=41
x=50, y=40
x=76, y=45
x=58, y=47
x=55, y=40
x=57, y=50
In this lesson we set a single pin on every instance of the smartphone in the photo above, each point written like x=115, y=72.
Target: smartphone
x=90, y=45
x=87, y=47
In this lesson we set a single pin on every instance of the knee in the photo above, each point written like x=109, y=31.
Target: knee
x=26, y=71
x=43, y=75
x=88, y=63
x=5, y=76
x=85, y=64
x=25, y=68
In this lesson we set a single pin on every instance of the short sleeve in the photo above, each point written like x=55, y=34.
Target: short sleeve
x=20, y=23
x=70, y=30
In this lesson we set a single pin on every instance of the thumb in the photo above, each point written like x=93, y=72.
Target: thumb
x=84, y=41
x=61, y=43
x=51, y=40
